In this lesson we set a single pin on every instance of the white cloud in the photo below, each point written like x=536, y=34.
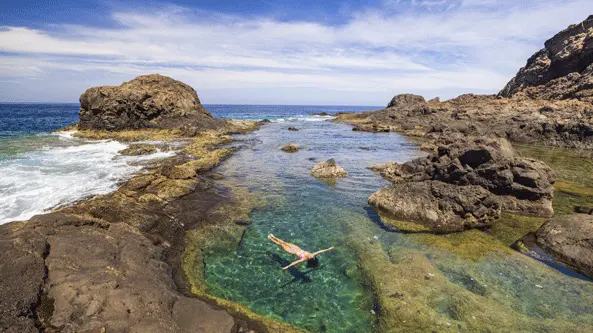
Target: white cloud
x=471, y=46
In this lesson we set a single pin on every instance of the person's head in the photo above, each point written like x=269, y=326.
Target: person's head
x=313, y=262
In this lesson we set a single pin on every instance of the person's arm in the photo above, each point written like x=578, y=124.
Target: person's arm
x=319, y=252
x=295, y=263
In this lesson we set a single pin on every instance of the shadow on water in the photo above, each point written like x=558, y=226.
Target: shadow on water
x=298, y=276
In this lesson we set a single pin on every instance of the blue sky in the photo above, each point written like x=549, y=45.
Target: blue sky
x=275, y=52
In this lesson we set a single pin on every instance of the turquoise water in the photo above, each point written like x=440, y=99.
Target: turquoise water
x=304, y=211
x=335, y=297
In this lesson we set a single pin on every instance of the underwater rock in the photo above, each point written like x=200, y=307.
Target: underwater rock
x=328, y=169
x=139, y=149
x=569, y=238
x=148, y=101
x=290, y=148
x=520, y=185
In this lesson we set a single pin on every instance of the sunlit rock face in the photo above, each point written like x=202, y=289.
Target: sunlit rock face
x=561, y=70
x=465, y=185
x=148, y=101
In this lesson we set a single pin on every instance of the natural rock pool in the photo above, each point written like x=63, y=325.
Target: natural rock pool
x=375, y=280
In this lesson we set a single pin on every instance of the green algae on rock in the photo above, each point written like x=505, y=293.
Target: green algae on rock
x=470, y=287
x=139, y=149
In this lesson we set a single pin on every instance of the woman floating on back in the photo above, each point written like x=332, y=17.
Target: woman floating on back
x=303, y=255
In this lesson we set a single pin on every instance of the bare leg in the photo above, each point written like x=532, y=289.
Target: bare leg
x=288, y=247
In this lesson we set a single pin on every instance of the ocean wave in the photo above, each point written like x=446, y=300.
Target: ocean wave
x=302, y=118
x=36, y=181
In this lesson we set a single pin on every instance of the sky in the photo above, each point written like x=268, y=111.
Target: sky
x=307, y=52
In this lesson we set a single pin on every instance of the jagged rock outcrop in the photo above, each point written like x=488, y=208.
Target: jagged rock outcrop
x=328, y=170
x=565, y=123
x=439, y=206
x=563, y=69
x=148, y=101
x=464, y=185
x=569, y=238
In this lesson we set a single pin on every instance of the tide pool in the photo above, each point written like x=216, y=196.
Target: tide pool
x=375, y=280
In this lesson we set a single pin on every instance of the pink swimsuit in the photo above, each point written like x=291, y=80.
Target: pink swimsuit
x=299, y=253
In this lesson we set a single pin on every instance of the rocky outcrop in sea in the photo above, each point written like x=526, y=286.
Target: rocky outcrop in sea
x=148, y=101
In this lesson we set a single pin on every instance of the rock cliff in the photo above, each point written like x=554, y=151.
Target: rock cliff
x=563, y=69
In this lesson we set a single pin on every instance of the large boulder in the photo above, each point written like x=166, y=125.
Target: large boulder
x=406, y=101
x=328, y=170
x=570, y=239
x=438, y=206
x=451, y=176
x=561, y=70
x=148, y=101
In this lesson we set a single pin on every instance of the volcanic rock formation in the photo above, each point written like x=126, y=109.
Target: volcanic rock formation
x=148, y=101
x=563, y=69
x=465, y=185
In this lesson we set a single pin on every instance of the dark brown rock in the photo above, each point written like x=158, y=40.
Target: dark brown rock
x=569, y=238
x=294, y=129
x=438, y=206
x=290, y=148
x=23, y=274
x=561, y=70
x=406, y=101
x=149, y=101
x=519, y=185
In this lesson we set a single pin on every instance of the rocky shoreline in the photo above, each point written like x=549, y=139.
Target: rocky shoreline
x=465, y=182
x=115, y=262
x=132, y=260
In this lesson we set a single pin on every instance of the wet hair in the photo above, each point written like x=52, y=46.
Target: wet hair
x=313, y=262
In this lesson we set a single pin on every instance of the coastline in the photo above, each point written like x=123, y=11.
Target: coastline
x=152, y=210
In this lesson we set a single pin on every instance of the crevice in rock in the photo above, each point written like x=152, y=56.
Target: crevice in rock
x=39, y=309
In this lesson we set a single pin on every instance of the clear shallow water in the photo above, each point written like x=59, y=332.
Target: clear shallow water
x=307, y=212
x=467, y=294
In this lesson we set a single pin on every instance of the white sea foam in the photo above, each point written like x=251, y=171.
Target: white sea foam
x=33, y=182
x=302, y=118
